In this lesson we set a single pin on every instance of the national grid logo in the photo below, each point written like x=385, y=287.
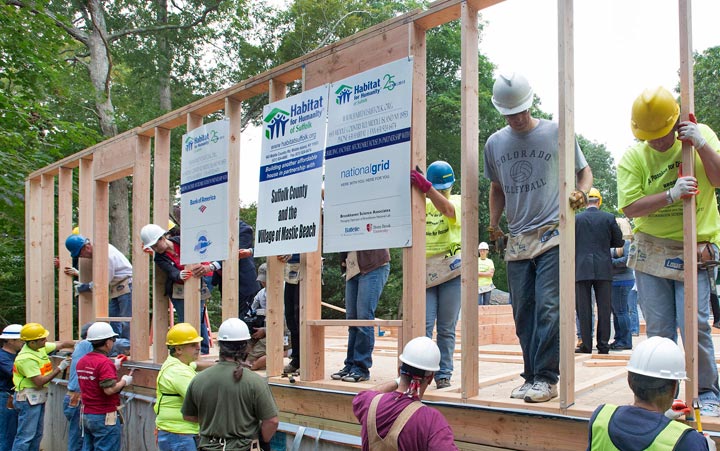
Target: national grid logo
x=203, y=243
x=199, y=141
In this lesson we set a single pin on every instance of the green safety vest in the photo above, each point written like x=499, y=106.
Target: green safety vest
x=664, y=441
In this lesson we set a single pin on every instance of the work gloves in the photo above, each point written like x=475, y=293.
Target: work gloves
x=578, y=199
x=684, y=187
x=128, y=379
x=419, y=180
x=185, y=274
x=64, y=364
x=82, y=287
x=119, y=360
x=690, y=132
x=677, y=410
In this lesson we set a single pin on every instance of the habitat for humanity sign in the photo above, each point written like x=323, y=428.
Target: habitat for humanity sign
x=367, y=160
x=291, y=160
x=204, y=194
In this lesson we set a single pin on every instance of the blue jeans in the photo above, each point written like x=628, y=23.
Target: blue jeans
x=98, y=436
x=534, y=287
x=662, y=303
x=121, y=306
x=442, y=305
x=75, y=439
x=484, y=298
x=30, y=426
x=362, y=294
x=8, y=422
x=633, y=309
x=621, y=314
x=179, y=305
x=167, y=441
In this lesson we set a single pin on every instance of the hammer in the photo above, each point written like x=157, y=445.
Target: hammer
x=696, y=407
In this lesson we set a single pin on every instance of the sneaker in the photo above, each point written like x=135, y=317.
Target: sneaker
x=541, y=392
x=442, y=383
x=710, y=409
x=519, y=393
x=355, y=377
x=340, y=374
x=289, y=369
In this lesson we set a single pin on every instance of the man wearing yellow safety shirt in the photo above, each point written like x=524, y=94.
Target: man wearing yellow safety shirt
x=486, y=270
x=174, y=433
x=32, y=373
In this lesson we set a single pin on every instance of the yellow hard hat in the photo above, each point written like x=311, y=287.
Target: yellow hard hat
x=33, y=331
x=594, y=192
x=182, y=334
x=171, y=224
x=76, y=231
x=654, y=114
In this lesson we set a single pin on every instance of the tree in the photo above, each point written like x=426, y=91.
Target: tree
x=707, y=87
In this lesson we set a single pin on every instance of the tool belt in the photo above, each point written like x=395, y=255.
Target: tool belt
x=9, y=404
x=440, y=268
x=74, y=398
x=32, y=396
x=533, y=243
x=122, y=286
x=222, y=444
x=662, y=257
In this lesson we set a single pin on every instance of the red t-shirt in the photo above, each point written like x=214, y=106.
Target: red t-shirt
x=92, y=369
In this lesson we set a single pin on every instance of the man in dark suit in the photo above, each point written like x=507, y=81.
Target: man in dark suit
x=595, y=233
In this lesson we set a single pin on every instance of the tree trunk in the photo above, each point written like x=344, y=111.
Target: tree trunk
x=100, y=76
x=165, y=59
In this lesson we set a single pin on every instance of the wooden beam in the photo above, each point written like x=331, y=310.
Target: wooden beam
x=356, y=322
x=161, y=212
x=65, y=226
x=86, y=204
x=275, y=310
x=47, y=244
x=140, y=323
x=100, y=244
x=116, y=160
x=413, y=301
x=469, y=148
x=33, y=250
x=231, y=267
x=566, y=156
x=687, y=106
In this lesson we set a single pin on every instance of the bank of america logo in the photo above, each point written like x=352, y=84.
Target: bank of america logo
x=343, y=94
x=276, y=121
x=202, y=208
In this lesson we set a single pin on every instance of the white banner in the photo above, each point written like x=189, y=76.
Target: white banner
x=367, y=160
x=204, y=194
x=291, y=160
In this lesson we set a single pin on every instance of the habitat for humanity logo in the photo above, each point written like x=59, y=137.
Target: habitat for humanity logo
x=343, y=94
x=202, y=243
x=199, y=141
x=276, y=121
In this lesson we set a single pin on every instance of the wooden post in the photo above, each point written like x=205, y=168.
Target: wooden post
x=469, y=154
x=192, y=285
x=65, y=286
x=86, y=204
x=47, y=244
x=687, y=106
x=413, y=302
x=275, y=311
x=161, y=209
x=33, y=251
x=100, y=242
x=566, y=89
x=140, y=324
x=231, y=267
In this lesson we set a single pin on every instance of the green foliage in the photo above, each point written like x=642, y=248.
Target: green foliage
x=707, y=87
x=604, y=174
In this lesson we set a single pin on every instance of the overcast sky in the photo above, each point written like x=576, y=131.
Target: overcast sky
x=621, y=47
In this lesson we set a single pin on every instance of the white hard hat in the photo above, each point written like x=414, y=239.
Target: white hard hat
x=421, y=353
x=233, y=329
x=658, y=357
x=11, y=332
x=150, y=234
x=483, y=245
x=100, y=331
x=512, y=94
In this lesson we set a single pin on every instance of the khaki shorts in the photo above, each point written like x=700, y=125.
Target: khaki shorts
x=258, y=350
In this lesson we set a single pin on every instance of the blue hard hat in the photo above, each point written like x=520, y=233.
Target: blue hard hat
x=441, y=175
x=75, y=243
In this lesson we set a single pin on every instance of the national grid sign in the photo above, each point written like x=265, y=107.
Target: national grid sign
x=367, y=160
x=291, y=163
x=204, y=194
